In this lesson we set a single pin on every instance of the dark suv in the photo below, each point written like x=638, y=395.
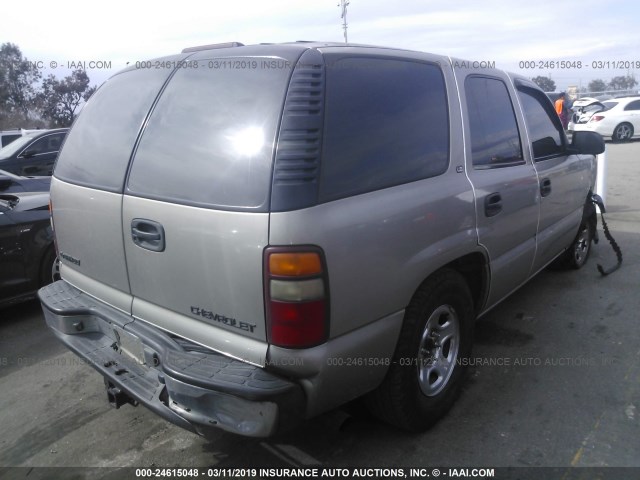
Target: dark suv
x=34, y=153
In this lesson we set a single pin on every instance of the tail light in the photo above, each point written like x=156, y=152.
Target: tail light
x=296, y=296
x=596, y=118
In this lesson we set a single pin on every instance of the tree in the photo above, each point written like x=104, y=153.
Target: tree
x=17, y=92
x=59, y=99
x=622, y=83
x=545, y=83
x=597, y=86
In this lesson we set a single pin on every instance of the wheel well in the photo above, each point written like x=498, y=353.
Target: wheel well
x=624, y=123
x=44, y=264
x=473, y=267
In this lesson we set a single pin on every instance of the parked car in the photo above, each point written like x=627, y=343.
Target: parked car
x=8, y=136
x=285, y=228
x=27, y=253
x=620, y=120
x=34, y=153
x=10, y=183
x=584, y=109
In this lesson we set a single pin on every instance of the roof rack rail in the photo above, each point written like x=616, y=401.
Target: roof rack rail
x=212, y=46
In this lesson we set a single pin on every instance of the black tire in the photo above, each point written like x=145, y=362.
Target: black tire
x=48, y=267
x=622, y=133
x=411, y=397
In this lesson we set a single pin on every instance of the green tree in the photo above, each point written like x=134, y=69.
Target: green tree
x=597, y=85
x=622, y=83
x=18, y=93
x=545, y=83
x=60, y=99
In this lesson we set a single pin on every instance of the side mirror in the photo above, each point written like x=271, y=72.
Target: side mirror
x=587, y=143
x=5, y=182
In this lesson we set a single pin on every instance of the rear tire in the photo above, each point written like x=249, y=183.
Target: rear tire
x=429, y=363
x=622, y=133
x=48, y=267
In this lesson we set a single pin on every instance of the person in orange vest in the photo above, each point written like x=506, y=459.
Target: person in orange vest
x=562, y=110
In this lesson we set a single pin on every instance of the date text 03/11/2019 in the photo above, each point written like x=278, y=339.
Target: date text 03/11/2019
x=578, y=64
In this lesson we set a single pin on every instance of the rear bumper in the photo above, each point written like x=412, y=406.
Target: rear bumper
x=192, y=387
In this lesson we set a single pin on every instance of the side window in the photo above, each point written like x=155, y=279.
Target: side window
x=39, y=146
x=635, y=105
x=386, y=123
x=47, y=144
x=55, y=141
x=495, y=140
x=544, y=129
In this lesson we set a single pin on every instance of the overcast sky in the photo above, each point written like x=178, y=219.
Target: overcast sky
x=491, y=30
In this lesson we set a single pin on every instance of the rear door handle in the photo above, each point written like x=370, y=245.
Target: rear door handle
x=492, y=204
x=148, y=234
x=545, y=187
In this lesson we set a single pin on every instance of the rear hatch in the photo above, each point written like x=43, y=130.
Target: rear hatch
x=183, y=236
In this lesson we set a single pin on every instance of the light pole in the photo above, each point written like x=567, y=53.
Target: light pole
x=344, y=4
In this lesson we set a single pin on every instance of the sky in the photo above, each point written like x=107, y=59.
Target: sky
x=117, y=33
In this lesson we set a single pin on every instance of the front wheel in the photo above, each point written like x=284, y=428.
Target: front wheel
x=428, y=366
x=578, y=252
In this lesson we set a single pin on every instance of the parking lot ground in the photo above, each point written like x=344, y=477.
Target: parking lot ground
x=554, y=382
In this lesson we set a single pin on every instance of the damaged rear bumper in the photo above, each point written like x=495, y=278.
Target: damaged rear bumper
x=188, y=385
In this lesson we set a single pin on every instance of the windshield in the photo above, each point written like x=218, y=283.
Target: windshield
x=609, y=105
x=15, y=146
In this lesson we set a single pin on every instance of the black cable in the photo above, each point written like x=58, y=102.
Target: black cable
x=616, y=248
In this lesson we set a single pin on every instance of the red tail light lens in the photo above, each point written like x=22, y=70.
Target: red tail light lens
x=296, y=296
x=596, y=118
x=297, y=325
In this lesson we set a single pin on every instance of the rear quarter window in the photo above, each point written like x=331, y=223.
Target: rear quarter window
x=386, y=123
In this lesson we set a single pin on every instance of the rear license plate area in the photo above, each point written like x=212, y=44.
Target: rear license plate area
x=129, y=345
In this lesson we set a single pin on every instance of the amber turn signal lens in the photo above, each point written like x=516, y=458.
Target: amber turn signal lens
x=295, y=264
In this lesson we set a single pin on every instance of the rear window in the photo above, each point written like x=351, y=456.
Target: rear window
x=209, y=141
x=98, y=147
x=386, y=123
